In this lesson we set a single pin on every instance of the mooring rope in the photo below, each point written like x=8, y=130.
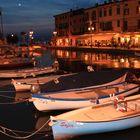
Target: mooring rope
x=9, y=97
x=15, y=102
x=8, y=91
x=5, y=131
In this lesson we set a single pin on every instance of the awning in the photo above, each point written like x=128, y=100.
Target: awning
x=105, y=36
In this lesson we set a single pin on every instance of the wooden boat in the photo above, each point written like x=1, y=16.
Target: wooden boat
x=10, y=63
x=116, y=115
x=82, y=97
x=23, y=73
x=82, y=80
x=32, y=84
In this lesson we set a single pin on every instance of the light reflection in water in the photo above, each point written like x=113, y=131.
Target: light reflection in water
x=101, y=59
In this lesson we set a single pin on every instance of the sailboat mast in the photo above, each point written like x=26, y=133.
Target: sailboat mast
x=1, y=18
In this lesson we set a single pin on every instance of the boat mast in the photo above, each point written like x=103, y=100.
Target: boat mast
x=1, y=22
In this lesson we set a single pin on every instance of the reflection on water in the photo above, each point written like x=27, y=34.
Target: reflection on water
x=100, y=59
x=22, y=116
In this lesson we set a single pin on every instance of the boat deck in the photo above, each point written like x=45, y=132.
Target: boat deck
x=91, y=93
x=105, y=112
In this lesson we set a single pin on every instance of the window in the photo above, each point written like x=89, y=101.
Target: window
x=139, y=24
x=118, y=23
x=126, y=11
x=94, y=15
x=106, y=26
x=100, y=13
x=105, y=12
x=118, y=10
x=110, y=11
x=138, y=10
x=125, y=26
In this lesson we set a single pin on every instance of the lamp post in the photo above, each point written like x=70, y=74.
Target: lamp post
x=31, y=36
x=91, y=29
x=54, y=33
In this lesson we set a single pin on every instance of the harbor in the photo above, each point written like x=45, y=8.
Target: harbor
x=70, y=70
x=28, y=119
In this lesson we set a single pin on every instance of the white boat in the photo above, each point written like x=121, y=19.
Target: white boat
x=116, y=115
x=23, y=73
x=82, y=97
x=32, y=84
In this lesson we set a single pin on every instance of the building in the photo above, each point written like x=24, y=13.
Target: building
x=113, y=23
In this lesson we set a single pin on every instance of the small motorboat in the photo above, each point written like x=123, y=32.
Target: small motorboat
x=121, y=113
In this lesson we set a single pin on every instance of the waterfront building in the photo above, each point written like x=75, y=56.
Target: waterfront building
x=112, y=23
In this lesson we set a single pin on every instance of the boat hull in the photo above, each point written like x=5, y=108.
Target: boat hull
x=23, y=85
x=68, y=129
x=26, y=73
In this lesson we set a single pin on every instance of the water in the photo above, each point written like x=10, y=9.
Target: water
x=24, y=119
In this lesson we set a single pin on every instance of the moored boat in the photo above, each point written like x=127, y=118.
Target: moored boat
x=23, y=73
x=22, y=85
x=117, y=115
x=82, y=97
x=12, y=63
x=83, y=79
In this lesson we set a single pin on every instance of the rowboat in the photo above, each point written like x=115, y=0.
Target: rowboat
x=10, y=63
x=32, y=84
x=82, y=97
x=23, y=73
x=83, y=79
x=119, y=114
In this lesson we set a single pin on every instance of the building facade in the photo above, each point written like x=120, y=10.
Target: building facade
x=113, y=23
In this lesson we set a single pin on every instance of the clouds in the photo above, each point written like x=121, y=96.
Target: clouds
x=38, y=14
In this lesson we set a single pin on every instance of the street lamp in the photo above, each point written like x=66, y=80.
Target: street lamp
x=54, y=33
x=91, y=29
x=31, y=36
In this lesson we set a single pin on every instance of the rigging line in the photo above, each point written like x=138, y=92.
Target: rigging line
x=12, y=91
x=24, y=137
x=9, y=97
x=16, y=102
x=25, y=132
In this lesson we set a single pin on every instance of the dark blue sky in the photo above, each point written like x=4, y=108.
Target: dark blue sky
x=23, y=15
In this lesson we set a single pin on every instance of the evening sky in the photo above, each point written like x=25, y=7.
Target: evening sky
x=38, y=15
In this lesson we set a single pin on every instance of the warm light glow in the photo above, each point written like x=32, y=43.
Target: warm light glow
x=67, y=41
x=122, y=39
x=86, y=57
x=136, y=39
x=36, y=47
x=67, y=54
x=122, y=60
x=127, y=39
x=91, y=28
x=55, y=33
